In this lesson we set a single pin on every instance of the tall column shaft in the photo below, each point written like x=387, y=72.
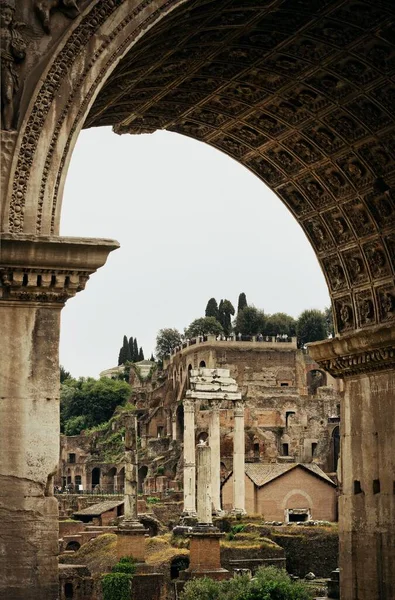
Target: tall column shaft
x=131, y=470
x=204, y=499
x=367, y=461
x=189, y=458
x=214, y=437
x=29, y=449
x=31, y=298
x=239, y=459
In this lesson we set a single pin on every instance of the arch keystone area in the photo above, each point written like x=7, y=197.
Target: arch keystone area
x=299, y=92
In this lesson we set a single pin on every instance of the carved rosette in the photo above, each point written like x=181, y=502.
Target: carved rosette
x=356, y=354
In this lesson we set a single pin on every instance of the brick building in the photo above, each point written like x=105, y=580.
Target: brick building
x=286, y=492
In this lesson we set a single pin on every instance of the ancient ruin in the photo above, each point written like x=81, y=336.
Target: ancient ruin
x=301, y=93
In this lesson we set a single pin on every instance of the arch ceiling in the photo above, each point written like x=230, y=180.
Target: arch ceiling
x=300, y=92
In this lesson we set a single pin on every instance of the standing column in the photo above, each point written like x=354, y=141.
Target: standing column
x=37, y=276
x=214, y=437
x=366, y=362
x=131, y=474
x=238, y=459
x=204, y=499
x=189, y=458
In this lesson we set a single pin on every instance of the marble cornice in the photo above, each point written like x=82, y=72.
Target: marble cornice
x=48, y=270
x=363, y=352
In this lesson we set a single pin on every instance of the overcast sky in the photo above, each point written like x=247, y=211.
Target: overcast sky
x=192, y=224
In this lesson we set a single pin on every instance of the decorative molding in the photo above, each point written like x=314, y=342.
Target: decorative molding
x=41, y=285
x=360, y=363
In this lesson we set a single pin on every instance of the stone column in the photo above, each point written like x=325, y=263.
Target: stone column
x=238, y=459
x=366, y=361
x=131, y=533
x=204, y=500
x=214, y=439
x=131, y=474
x=174, y=427
x=37, y=276
x=189, y=459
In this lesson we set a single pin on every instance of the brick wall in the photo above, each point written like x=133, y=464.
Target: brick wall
x=295, y=489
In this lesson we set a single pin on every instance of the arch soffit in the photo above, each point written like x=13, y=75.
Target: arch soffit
x=302, y=98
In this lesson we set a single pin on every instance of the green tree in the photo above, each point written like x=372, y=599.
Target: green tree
x=135, y=355
x=204, y=326
x=124, y=353
x=75, y=425
x=63, y=374
x=242, y=302
x=212, y=309
x=141, y=354
x=93, y=399
x=131, y=347
x=152, y=359
x=225, y=312
x=311, y=327
x=250, y=321
x=166, y=340
x=280, y=323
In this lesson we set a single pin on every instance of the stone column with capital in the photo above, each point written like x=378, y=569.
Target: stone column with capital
x=37, y=276
x=131, y=533
x=189, y=458
x=238, y=459
x=214, y=438
x=366, y=362
x=204, y=498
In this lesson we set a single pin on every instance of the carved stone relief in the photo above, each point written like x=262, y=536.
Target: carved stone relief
x=365, y=308
x=359, y=218
x=318, y=234
x=13, y=52
x=45, y=8
x=355, y=266
x=386, y=302
x=377, y=259
x=339, y=225
x=344, y=313
x=294, y=199
x=335, y=272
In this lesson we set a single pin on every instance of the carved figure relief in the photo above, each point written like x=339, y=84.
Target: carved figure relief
x=13, y=51
x=318, y=234
x=344, y=314
x=365, y=310
x=265, y=170
x=359, y=217
x=338, y=224
x=44, y=8
x=318, y=196
x=377, y=260
x=294, y=199
x=386, y=302
x=355, y=266
x=335, y=273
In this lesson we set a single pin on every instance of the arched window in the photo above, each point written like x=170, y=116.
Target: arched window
x=202, y=364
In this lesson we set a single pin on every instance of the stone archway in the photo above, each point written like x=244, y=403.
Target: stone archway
x=298, y=92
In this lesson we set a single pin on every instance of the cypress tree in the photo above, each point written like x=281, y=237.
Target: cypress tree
x=124, y=353
x=152, y=359
x=141, y=354
x=212, y=309
x=131, y=347
x=242, y=303
x=135, y=355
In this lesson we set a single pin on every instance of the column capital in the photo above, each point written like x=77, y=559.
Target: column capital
x=238, y=408
x=189, y=406
x=215, y=404
x=358, y=353
x=48, y=270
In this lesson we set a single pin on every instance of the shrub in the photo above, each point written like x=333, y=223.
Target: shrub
x=152, y=500
x=116, y=586
x=268, y=584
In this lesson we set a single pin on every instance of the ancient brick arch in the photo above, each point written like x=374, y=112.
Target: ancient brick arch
x=300, y=92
